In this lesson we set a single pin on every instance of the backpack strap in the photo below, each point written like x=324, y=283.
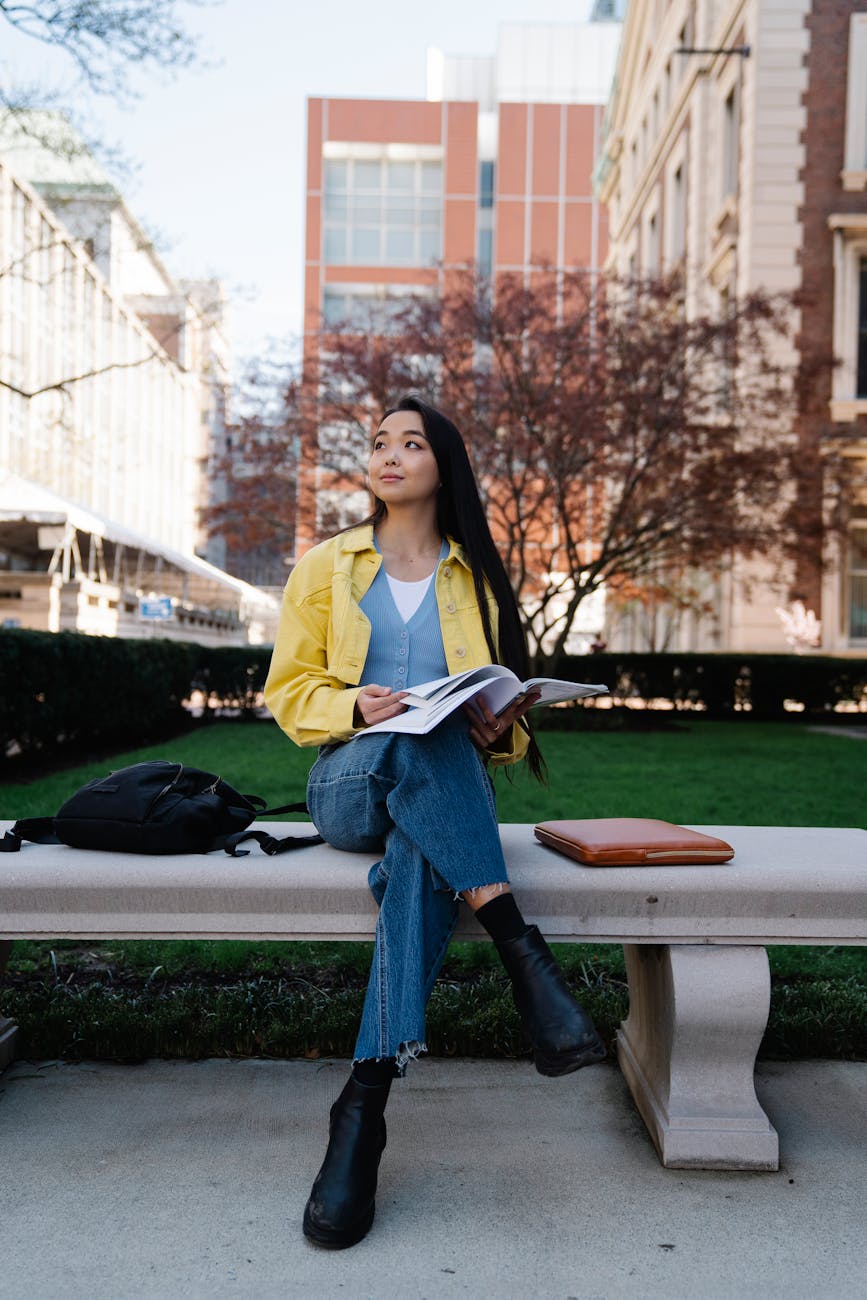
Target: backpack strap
x=269, y=843
x=284, y=808
x=39, y=830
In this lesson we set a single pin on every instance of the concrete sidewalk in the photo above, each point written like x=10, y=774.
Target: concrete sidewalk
x=175, y=1179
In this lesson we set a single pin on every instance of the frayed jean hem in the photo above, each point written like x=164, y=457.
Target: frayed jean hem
x=406, y=1052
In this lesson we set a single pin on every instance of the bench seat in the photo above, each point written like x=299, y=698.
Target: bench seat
x=694, y=938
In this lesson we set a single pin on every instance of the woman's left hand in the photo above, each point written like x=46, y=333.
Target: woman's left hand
x=487, y=728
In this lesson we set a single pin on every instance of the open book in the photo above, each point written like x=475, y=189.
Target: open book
x=499, y=687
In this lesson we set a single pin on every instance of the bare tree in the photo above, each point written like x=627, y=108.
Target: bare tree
x=620, y=442
x=254, y=482
x=104, y=39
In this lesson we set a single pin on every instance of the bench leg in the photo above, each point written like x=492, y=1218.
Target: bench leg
x=8, y=1028
x=688, y=1050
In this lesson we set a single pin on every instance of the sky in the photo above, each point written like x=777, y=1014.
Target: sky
x=218, y=152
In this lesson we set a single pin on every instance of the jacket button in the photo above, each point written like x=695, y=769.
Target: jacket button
x=447, y=573
x=460, y=652
x=451, y=607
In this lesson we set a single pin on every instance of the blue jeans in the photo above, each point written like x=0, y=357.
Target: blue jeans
x=428, y=802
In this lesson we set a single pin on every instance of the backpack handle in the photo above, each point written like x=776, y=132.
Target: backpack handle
x=39, y=830
x=269, y=843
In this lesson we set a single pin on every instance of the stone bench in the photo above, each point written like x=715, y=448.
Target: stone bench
x=694, y=940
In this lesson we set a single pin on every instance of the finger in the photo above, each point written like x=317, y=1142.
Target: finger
x=390, y=711
x=389, y=707
x=470, y=709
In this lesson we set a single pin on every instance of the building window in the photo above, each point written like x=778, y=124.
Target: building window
x=374, y=308
x=651, y=246
x=861, y=385
x=382, y=212
x=730, y=151
x=486, y=184
x=486, y=251
x=849, y=376
x=855, y=157
x=858, y=581
x=677, y=214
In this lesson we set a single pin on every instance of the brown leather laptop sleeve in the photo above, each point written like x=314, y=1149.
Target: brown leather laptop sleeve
x=632, y=841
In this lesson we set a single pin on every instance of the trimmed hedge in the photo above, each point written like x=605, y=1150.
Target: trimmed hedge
x=66, y=691
x=232, y=677
x=725, y=685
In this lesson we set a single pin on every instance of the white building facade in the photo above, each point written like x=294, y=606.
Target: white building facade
x=113, y=376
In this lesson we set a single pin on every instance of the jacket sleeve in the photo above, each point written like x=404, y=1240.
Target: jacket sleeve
x=308, y=703
x=519, y=742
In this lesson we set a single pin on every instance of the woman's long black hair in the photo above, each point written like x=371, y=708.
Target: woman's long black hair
x=460, y=515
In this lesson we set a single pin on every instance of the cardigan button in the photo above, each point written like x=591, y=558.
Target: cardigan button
x=460, y=652
x=451, y=607
x=447, y=573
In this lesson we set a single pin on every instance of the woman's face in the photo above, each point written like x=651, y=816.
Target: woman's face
x=402, y=468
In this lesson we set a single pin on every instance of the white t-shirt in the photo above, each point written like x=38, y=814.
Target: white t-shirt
x=408, y=595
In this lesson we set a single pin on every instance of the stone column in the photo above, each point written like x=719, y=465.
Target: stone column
x=697, y=1014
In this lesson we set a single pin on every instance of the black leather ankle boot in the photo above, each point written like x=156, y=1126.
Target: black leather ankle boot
x=563, y=1036
x=341, y=1206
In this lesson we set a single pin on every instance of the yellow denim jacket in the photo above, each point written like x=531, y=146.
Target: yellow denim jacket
x=323, y=636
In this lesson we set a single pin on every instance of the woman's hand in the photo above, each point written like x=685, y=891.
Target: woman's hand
x=375, y=704
x=487, y=728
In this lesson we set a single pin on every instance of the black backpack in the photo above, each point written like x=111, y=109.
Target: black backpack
x=157, y=807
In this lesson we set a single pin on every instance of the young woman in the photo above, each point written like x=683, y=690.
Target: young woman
x=415, y=592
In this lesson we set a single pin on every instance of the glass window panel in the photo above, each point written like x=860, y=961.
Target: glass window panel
x=366, y=212
x=486, y=184
x=365, y=244
x=399, y=245
x=335, y=176
x=334, y=307
x=400, y=213
x=861, y=378
x=335, y=244
x=430, y=246
x=859, y=549
x=858, y=607
x=335, y=207
x=390, y=311
x=432, y=178
x=367, y=176
x=430, y=212
x=401, y=176
x=486, y=251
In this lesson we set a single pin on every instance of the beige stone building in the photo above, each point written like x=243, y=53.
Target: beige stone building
x=736, y=148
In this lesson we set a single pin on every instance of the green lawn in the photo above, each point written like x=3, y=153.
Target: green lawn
x=748, y=773
x=74, y=999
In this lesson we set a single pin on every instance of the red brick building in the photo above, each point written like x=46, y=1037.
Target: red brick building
x=401, y=192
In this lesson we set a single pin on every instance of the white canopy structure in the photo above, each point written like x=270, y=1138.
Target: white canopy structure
x=64, y=567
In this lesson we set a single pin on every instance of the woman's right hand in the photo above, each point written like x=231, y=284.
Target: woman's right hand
x=376, y=703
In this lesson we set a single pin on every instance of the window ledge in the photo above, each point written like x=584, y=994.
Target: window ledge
x=845, y=410
x=725, y=221
x=854, y=180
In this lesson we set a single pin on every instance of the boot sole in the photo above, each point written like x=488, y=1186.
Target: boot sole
x=332, y=1239
x=554, y=1064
